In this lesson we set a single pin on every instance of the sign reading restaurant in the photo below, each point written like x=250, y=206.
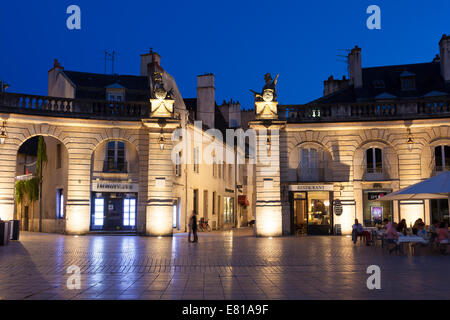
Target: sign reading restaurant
x=102, y=186
x=311, y=187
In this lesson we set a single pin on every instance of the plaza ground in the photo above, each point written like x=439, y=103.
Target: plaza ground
x=223, y=265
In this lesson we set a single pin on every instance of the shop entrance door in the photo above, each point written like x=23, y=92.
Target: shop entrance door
x=114, y=213
x=311, y=213
x=300, y=222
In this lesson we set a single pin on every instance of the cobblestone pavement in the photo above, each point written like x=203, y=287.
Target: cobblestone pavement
x=223, y=265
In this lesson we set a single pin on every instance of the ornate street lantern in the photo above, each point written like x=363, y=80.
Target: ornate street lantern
x=410, y=141
x=3, y=135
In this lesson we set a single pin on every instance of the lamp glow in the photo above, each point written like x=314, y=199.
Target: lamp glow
x=410, y=141
x=3, y=135
x=161, y=141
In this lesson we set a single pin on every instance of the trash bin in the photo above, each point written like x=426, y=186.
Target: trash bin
x=4, y=233
x=15, y=229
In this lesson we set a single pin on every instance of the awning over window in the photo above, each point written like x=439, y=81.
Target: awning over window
x=243, y=200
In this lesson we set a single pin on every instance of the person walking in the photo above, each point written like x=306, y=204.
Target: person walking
x=190, y=227
x=194, y=226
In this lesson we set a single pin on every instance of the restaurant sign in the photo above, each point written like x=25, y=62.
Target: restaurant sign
x=311, y=187
x=102, y=186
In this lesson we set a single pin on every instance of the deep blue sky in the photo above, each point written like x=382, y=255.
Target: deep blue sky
x=238, y=41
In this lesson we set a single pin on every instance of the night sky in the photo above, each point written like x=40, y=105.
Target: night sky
x=238, y=41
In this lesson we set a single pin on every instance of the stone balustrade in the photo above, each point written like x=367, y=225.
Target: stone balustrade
x=79, y=108
x=417, y=109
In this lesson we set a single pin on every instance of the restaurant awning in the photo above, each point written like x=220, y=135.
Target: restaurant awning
x=242, y=200
x=437, y=187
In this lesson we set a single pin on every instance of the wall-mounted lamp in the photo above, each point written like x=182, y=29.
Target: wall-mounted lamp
x=410, y=141
x=161, y=140
x=3, y=135
x=268, y=143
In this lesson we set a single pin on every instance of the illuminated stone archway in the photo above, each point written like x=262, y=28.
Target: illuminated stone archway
x=115, y=163
x=50, y=215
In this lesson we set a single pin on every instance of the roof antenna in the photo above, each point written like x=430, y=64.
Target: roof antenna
x=110, y=56
x=345, y=60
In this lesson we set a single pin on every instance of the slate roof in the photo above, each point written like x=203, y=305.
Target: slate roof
x=386, y=82
x=219, y=121
x=93, y=85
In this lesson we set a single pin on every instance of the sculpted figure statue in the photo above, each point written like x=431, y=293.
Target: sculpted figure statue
x=269, y=91
x=159, y=92
x=162, y=100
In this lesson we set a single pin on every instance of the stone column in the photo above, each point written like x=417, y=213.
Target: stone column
x=268, y=192
x=160, y=177
x=78, y=211
x=8, y=160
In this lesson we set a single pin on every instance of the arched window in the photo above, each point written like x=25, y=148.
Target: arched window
x=374, y=160
x=309, y=164
x=115, y=157
x=442, y=158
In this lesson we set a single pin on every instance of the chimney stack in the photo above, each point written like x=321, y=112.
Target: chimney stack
x=206, y=99
x=444, y=46
x=149, y=58
x=52, y=90
x=332, y=85
x=355, y=68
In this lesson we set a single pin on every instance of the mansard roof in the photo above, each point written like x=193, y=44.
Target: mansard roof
x=94, y=85
x=377, y=81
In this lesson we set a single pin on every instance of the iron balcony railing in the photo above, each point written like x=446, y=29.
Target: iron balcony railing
x=343, y=173
x=313, y=175
x=115, y=167
x=365, y=111
x=78, y=108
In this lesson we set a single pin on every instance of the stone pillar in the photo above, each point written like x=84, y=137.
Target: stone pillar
x=78, y=212
x=8, y=160
x=160, y=177
x=268, y=192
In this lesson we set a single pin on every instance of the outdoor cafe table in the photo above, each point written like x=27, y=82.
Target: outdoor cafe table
x=409, y=240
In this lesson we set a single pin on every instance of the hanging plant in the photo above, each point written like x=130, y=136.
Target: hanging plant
x=20, y=191
x=32, y=189
x=28, y=188
x=41, y=156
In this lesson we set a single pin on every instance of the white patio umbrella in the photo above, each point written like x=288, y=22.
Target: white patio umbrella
x=437, y=187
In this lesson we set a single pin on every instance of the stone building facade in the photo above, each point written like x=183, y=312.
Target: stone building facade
x=383, y=129
x=319, y=165
x=118, y=174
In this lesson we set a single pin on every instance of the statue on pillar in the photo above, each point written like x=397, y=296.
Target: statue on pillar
x=266, y=101
x=162, y=100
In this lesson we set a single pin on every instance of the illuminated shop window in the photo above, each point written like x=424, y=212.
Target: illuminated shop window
x=99, y=210
x=129, y=212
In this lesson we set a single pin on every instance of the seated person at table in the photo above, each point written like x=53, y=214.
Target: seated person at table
x=415, y=227
x=421, y=232
x=402, y=227
x=386, y=223
x=392, y=236
x=358, y=230
x=442, y=235
x=432, y=230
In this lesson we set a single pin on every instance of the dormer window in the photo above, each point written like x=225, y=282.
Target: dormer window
x=379, y=84
x=408, y=81
x=114, y=97
x=115, y=93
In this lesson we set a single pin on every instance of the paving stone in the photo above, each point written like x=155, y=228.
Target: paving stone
x=223, y=265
